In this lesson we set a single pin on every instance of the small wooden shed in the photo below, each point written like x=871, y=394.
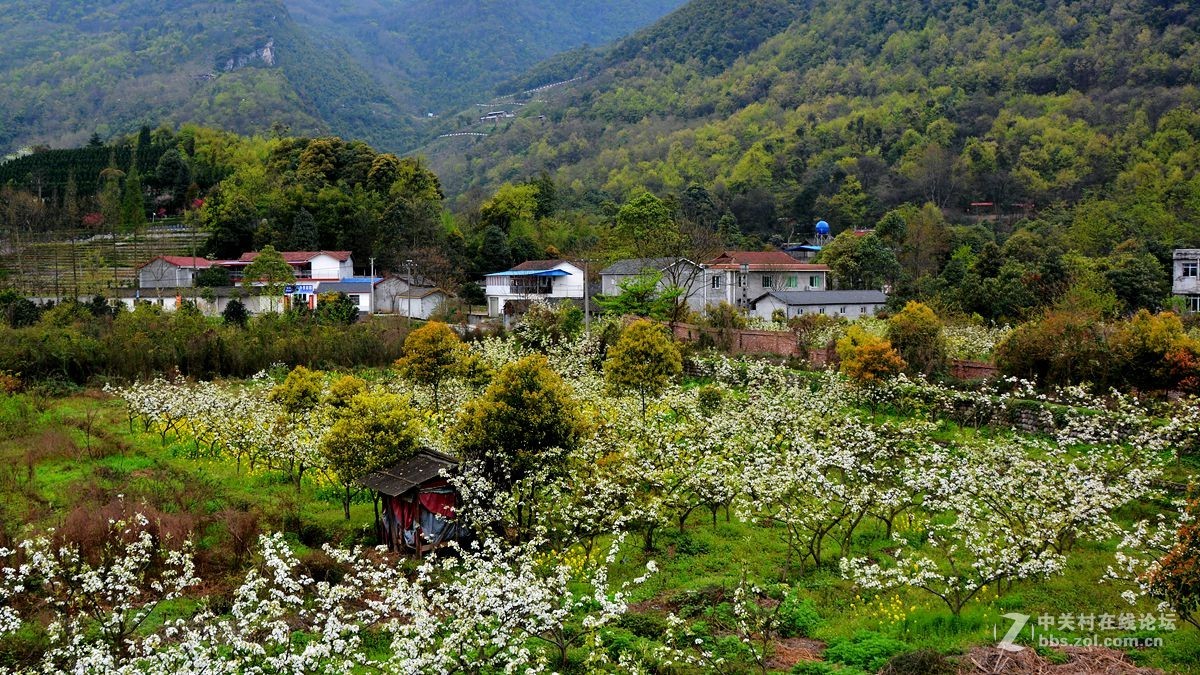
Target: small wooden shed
x=415, y=505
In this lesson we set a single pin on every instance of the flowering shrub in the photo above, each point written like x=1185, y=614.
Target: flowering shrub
x=971, y=342
x=473, y=611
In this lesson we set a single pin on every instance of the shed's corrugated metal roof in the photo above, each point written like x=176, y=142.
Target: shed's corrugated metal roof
x=404, y=476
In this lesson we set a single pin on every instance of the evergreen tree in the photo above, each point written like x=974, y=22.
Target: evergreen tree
x=303, y=235
x=173, y=173
x=71, y=201
x=133, y=205
x=235, y=313
x=110, y=198
x=494, y=255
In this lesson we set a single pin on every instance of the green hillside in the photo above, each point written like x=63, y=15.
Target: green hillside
x=70, y=69
x=793, y=111
x=436, y=55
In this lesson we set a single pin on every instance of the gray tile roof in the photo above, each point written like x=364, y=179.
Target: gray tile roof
x=345, y=287
x=811, y=298
x=638, y=265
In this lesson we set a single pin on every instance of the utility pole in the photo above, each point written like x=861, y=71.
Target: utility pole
x=587, y=307
x=195, y=271
x=408, y=314
x=75, y=264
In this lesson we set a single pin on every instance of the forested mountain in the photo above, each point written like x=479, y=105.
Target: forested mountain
x=794, y=111
x=69, y=69
x=363, y=69
x=439, y=54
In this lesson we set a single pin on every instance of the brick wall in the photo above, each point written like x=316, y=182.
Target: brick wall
x=784, y=343
x=972, y=370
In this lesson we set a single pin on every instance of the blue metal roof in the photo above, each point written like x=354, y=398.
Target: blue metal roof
x=527, y=273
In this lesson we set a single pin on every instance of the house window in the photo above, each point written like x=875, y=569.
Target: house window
x=742, y=280
x=354, y=299
x=1193, y=303
x=766, y=281
x=843, y=310
x=1191, y=268
x=716, y=281
x=862, y=310
x=791, y=281
x=814, y=281
x=822, y=310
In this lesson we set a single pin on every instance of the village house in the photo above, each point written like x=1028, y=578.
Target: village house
x=738, y=277
x=1185, y=277
x=846, y=304
x=171, y=271
x=551, y=280
x=169, y=280
x=315, y=265
x=396, y=295
x=679, y=272
x=360, y=291
x=181, y=271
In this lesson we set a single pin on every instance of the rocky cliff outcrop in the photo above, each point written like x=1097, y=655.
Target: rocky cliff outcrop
x=264, y=55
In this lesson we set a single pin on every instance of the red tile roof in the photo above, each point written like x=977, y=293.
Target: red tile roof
x=538, y=265
x=298, y=257
x=763, y=261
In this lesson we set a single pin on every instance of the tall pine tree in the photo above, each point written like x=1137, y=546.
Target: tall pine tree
x=304, y=235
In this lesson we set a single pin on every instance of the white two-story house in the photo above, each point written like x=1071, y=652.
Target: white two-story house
x=738, y=277
x=533, y=280
x=1185, y=277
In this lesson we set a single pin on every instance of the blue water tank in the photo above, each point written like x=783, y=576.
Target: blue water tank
x=822, y=227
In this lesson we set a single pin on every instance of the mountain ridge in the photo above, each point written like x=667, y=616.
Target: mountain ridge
x=71, y=69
